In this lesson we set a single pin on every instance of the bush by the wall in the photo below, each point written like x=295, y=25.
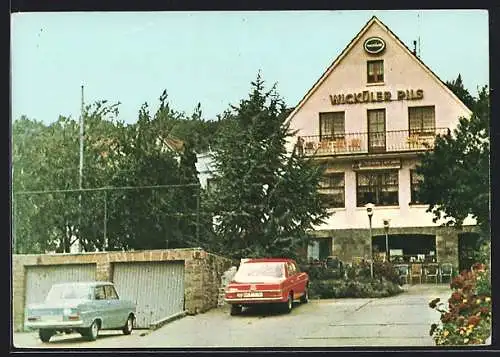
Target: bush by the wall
x=323, y=273
x=387, y=271
x=362, y=288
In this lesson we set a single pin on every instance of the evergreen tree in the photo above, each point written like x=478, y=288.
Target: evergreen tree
x=457, y=87
x=266, y=200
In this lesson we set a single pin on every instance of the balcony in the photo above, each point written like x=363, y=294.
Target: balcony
x=371, y=143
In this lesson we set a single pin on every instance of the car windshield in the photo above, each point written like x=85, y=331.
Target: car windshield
x=68, y=292
x=260, y=272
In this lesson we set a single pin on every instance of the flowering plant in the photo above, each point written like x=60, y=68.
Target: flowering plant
x=466, y=320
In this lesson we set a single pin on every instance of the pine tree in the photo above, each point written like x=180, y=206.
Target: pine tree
x=266, y=199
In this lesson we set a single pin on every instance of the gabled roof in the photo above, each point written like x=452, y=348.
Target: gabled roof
x=346, y=50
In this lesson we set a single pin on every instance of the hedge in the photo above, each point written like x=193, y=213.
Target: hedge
x=361, y=288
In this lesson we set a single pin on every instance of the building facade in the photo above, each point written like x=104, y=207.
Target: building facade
x=367, y=118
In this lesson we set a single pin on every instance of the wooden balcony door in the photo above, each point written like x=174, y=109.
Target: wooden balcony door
x=376, y=130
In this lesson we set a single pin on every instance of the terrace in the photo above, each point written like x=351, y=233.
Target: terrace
x=370, y=143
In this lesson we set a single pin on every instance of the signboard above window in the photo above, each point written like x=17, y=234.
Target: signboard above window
x=374, y=45
x=377, y=164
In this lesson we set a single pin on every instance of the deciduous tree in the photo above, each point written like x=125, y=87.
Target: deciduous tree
x=456, y=173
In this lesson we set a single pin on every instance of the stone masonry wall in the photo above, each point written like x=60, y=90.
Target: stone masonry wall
x=202, y=273
x=349, y=243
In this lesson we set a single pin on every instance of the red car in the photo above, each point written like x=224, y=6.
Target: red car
x=267, y=280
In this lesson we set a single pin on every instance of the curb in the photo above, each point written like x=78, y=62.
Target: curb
x=157, y=324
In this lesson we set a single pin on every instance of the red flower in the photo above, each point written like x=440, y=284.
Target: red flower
x=446, y=317
x=473, y=320
x=484, y=310
x=468, y=287
x=456, y=296
x=478, y=267
x=457, y=282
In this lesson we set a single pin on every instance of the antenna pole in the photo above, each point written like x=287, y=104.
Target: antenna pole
x=81, y=142
x=80, y=178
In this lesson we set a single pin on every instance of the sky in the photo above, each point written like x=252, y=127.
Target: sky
x=212, y=57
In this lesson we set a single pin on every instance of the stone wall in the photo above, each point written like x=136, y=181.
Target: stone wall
x=202, y=273
x=349, y=243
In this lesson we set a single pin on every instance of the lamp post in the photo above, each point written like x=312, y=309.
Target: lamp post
x=386, y=229
x=369, y=212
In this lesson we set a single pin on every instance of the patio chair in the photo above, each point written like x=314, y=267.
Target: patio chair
x=403, y=271
x=416, y=272
x=445, y=270
x=431, y=271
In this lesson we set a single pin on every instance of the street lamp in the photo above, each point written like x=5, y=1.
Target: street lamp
x=386, y=229
x=369, y=212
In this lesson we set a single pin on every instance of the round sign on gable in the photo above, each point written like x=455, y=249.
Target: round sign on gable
x=374, y=45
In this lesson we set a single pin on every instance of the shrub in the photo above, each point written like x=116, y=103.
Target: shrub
x=466, y=320
x=363, y=288
x=387, y=271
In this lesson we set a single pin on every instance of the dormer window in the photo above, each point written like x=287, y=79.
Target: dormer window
x=375, y=70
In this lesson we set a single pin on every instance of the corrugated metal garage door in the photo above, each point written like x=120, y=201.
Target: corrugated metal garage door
x=39, y=279
x=156, y=287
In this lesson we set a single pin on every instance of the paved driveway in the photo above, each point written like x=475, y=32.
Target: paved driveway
x=402, y=320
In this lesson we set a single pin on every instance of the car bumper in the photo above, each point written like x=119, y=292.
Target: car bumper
x=254, y=300
x=54, y=325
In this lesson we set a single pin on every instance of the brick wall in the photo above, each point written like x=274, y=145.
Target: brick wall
x=202, y=273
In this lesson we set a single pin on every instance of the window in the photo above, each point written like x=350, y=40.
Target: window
x=375, y=71
x=291, y=269
x=378, y=187
x=416, y=180
x=319, y=249
x=110, y=292
x=332, y=190
x=376, y=130
x=331, y=125
x=422, y=120
x=99, y=293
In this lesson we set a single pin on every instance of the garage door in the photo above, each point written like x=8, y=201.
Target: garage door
x=157, y=288
x=39, y=279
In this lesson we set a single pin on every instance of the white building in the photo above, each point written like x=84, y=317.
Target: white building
x=367, y=117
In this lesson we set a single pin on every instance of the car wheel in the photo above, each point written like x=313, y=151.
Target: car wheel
x=304, y=299
x=93, y=331
x=236, y=310
x=288, y=305
x=45, y=335
x=129, y=325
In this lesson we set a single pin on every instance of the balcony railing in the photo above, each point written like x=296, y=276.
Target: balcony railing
x=368, y=143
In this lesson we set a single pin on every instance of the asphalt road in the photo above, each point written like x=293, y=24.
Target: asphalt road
x=402, y=320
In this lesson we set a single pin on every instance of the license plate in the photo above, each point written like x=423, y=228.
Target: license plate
x=256, y=294
x=51, y=318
